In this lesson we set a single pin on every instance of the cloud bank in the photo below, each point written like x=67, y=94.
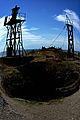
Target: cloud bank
x=33, y=41
x=30, y=40
x=72, y=16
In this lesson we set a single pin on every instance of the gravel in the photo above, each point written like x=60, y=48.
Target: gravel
x=6, y=112
x=63, y=109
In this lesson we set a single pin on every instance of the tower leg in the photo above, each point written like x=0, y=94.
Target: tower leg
x=70, y=41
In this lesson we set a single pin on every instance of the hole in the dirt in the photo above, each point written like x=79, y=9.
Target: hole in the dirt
x=40, y=80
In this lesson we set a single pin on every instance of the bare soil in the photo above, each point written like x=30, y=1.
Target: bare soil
x=67, y=108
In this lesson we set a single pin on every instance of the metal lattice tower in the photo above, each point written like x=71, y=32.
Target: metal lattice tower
x=14, y=43
x=69, y=25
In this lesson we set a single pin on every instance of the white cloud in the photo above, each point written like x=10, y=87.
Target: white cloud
x=61, y=18
x=72, y=16
x=30, y=40
x=2, y=28
x=34, y=28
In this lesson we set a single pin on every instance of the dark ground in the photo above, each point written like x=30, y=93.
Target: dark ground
x=62, y=109
x=66, y=72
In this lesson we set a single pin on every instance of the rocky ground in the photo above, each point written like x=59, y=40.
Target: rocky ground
x=66, y=108
x=7, y=113
x=63, y=109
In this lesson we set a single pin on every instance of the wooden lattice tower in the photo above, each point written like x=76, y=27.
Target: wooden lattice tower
x=14, y=43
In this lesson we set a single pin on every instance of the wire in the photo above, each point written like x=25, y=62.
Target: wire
x=76, y=41
x=64, y=39
x=57, y=36
x=3, y=51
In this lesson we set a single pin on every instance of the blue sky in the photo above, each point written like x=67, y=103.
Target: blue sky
x=44, y=21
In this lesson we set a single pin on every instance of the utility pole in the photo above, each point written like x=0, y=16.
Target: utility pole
x=14, y=44
x=69, y=25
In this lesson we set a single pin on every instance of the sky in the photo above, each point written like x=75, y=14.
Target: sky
x=45, y=19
